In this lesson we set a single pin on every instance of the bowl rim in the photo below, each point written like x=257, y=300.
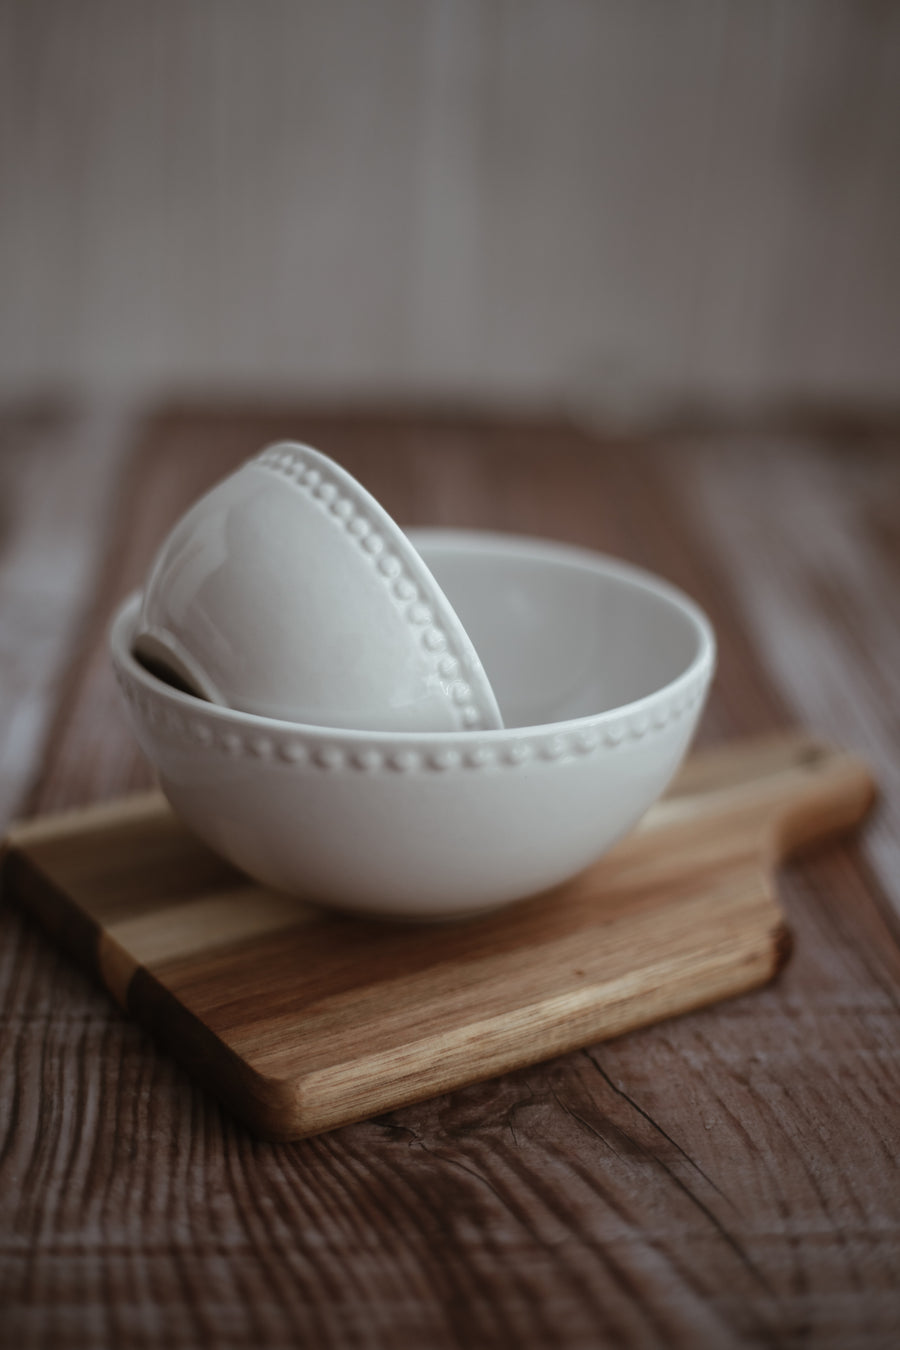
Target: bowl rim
x=700, y=668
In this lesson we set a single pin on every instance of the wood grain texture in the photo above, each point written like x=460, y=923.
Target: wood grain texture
x=727, y=1179
x=58, y=470
x=301, y=1021
x=628, y=206
x=840, y=668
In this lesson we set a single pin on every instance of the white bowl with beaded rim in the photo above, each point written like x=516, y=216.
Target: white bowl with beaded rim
x=601, y=671
x=288, y=591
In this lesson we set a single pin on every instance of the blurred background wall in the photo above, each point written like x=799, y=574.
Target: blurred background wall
x=635, y=206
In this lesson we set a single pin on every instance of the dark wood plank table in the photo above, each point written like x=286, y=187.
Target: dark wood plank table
x=726, y=1179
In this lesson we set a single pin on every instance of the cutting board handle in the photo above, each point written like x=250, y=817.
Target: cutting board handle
x=789, y=791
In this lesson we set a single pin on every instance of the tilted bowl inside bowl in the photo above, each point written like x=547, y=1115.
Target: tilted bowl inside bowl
x=600, y=669
x=288, y=591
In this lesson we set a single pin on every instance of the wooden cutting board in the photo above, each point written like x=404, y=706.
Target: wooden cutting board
x=300, y=1020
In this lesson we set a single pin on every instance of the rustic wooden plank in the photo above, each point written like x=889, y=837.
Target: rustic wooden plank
x=58, y=466
x=725, y=1180
x=807, y=538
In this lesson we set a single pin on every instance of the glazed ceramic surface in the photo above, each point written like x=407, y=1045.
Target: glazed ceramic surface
x=601, y=671
x=289, y=592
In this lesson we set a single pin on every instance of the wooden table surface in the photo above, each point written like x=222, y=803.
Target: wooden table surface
x=726, y=1179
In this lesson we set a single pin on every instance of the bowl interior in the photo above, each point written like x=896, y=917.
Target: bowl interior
x=562, y=632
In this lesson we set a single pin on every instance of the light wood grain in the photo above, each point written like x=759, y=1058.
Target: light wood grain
x=724, y=1180
x=633, y=207
x=302, y=1022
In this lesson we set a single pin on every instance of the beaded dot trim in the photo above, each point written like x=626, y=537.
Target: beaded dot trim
x=289, y=747
x=348, y=512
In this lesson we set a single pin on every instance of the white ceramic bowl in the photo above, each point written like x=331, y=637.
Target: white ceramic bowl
x=601, y=670
x=289, y=592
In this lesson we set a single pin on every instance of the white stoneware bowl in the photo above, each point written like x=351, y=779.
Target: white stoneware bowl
x=289, y=592
x=601, y=671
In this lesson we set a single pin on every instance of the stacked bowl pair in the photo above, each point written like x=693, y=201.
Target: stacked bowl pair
x=421, y=725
